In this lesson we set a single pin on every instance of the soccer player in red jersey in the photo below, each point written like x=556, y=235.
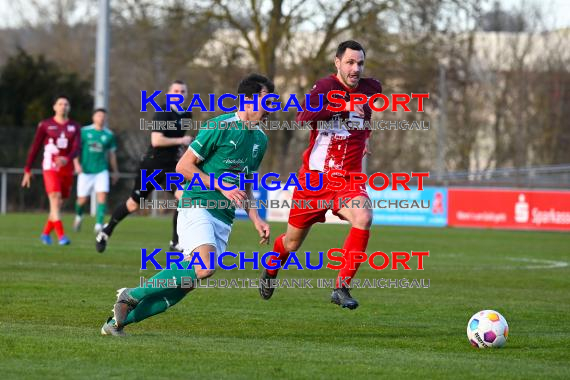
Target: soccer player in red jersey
x=335, y=148
x=60, y=138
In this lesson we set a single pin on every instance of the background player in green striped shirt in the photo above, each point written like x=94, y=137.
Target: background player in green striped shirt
x=98, y=147
x=217, y=151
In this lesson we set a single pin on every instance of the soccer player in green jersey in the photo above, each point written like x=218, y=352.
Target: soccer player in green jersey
x=98, y=147
x=204, y=231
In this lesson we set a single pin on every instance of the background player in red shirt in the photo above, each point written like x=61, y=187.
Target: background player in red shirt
x=60, y=138
x=334, y=148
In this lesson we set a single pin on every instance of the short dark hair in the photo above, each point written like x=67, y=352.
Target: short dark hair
x=253, y=84
x=99, y=110
x=60, y=96
x=350, y=44
x=176, y=81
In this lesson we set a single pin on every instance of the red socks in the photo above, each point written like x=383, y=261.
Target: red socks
x=51, y=225
x=356, y=241
x=283, y=254
x=48, y=227
x=58, y=226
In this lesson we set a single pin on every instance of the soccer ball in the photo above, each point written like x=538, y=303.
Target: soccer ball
x=487, y=328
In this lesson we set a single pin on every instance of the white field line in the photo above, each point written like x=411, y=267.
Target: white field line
x=539, y=263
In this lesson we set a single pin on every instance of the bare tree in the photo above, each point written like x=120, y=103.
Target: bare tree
x=61, y=30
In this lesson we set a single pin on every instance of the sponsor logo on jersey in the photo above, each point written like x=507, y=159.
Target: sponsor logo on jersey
x=95, y=147
x=230, y=161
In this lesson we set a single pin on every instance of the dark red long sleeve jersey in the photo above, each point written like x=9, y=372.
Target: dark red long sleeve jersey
x=58, y=140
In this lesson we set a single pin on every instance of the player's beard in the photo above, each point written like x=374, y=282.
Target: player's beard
x=351, y=80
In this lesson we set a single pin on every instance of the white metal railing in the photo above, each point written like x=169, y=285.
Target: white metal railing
x=555, y=176
x=4, y=172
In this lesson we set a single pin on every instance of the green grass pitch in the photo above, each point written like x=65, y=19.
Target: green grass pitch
x=55, y=299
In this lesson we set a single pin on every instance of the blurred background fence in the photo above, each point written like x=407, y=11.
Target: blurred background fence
x=13, y=198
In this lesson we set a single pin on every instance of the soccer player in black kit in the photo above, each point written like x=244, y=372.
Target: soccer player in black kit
x=163, y=153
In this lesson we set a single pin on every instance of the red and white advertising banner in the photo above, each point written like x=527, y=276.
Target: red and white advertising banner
x=508, y=208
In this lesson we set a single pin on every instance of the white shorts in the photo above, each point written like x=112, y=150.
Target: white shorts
x=196, y=227
x=87, y=182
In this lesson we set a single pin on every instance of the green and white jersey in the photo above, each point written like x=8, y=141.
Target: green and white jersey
x=229, y=148
x=95, y=144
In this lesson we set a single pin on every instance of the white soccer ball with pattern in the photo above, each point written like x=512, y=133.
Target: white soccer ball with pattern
x=486, y=329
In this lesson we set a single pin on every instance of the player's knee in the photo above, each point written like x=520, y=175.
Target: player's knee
x=101, y=197
x=132, y=205
x=204, y=273
x=54, y=196
x=362, y=220
x=291, y=245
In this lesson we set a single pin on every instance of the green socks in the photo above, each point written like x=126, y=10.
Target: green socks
x=100, y=214
x=165, y=274
x=78, y=209
x=157, y=304
x=156, y=298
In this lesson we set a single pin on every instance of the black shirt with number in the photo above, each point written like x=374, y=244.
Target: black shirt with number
x=168, y=153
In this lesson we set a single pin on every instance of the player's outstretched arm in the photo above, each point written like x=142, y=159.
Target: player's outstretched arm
x=260, y=225
x=158, y=140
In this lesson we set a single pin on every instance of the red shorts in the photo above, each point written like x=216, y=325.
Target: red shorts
x=303, y=217
x=57, y=182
